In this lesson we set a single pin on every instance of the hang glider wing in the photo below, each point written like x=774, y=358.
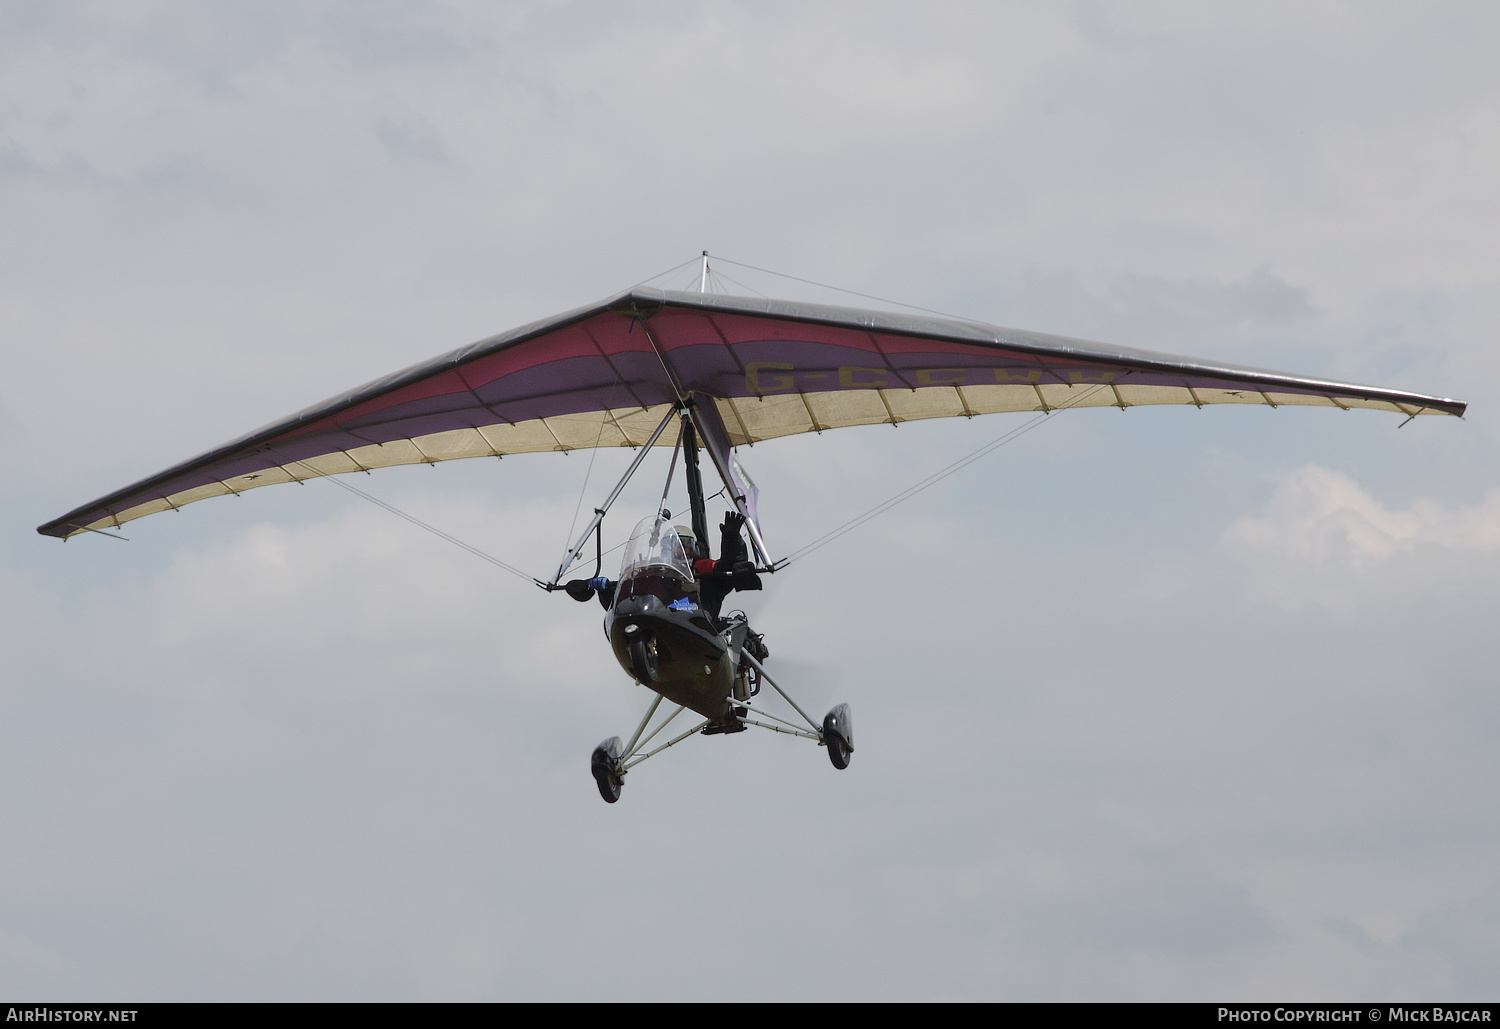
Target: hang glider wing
x=606, y=374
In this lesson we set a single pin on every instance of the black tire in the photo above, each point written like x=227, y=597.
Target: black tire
x=604, y=765
x=838, y=750
x=838, y=735
x=643, y=660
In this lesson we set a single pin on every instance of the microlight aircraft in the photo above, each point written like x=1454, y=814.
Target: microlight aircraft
x=703, y=374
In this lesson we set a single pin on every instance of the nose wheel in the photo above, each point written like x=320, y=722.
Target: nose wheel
x=643, y=660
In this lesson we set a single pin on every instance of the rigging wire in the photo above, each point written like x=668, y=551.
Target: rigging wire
x=932, y=480
x=393, y=509
x=721, y=279
x=593, y=453
x=741, y=285
x=839, y=289
x=669, y=271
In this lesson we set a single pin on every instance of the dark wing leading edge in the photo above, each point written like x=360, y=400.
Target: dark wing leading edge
x=606, y=375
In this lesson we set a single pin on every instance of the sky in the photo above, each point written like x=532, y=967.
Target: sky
x=1162, y=704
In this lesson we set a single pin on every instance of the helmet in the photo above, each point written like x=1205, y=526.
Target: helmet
x=689, y=540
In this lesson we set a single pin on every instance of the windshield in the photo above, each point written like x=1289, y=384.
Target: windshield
x=656, y=563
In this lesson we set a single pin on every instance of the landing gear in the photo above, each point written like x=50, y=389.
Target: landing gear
x=837, y=732
x=741, y=710
x=838, y=736
x=612, y=759
x=606, y=768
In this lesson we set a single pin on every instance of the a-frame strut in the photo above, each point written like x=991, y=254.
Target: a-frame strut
x=690, y=432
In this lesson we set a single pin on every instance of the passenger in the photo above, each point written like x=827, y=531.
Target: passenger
x=733, y=570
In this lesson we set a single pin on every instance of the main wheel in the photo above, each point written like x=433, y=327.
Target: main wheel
x=643, y=660
x=838, y=735
x=838, y=751
x=605, y=766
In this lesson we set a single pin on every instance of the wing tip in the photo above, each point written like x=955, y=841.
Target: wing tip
x=58, y=529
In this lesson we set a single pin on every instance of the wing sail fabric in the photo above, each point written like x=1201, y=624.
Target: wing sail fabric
x=605, y=375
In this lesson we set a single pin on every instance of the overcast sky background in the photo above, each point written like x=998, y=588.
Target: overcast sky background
x=1162, y=704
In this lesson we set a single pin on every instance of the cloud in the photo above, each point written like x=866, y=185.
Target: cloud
x=1466, y=936
x=44, y=971
x=1320, y=516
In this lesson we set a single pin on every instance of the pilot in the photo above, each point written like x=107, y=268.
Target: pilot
x=733, y=570
x=689, y=541
x=603, y=587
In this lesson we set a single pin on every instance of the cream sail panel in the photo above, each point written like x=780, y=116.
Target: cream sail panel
x=139, y=511
x=920, y=403
x=208, y=489
x=768, y=417
x=324, y=464
x=835, y=409
x=1001, y=399
x=264, y=477
x=1132, y=396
